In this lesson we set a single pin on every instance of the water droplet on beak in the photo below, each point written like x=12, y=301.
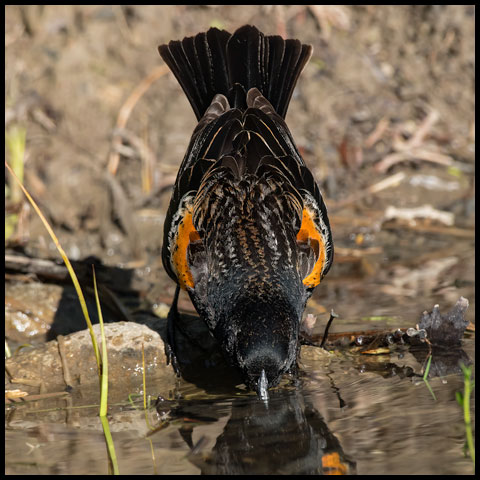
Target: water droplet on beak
x=262, y=388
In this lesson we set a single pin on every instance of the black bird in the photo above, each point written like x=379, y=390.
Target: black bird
x=246, y=233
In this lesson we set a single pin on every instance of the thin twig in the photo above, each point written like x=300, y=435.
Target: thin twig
x=424, y=212
x=63, y=357
x=416, y=140
x=438, y=229
x=127, y=108
x=425, y=154
x=327, y=327
x=377, y=134
x=388, y=182
x=358, y=252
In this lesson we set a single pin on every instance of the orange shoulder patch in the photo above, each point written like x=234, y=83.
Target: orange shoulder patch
x=186, y=234
x=308, y=230
x=333, y=465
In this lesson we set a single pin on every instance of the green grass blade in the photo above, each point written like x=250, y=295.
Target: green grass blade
x=7, y=350
x=427, y=368
x=104, y=377
x=145, y=390
x=425, y=376
x=467, y=375
x=112, y=456
x=76, y=284
x=15, y=141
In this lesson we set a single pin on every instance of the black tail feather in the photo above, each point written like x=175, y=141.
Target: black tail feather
x=217, y=62
x=246, y=58
x=217, y=41
x=199, y=64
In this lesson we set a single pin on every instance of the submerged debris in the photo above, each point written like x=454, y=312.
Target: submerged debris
x=445, y=330
x=434, y=329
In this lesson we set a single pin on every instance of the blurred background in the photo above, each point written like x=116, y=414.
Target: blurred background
x=383, y=115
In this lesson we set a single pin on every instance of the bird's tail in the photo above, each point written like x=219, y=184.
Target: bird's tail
x=218, y=62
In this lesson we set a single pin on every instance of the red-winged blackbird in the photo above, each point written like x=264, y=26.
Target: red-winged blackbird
x=246, y=233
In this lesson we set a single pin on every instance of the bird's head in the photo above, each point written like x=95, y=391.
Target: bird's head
x=257, y=328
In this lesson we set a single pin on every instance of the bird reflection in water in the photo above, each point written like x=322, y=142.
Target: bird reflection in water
x=282, y=435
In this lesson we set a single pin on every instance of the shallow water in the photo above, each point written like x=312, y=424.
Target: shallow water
x=348, y=413
x=345, y=414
